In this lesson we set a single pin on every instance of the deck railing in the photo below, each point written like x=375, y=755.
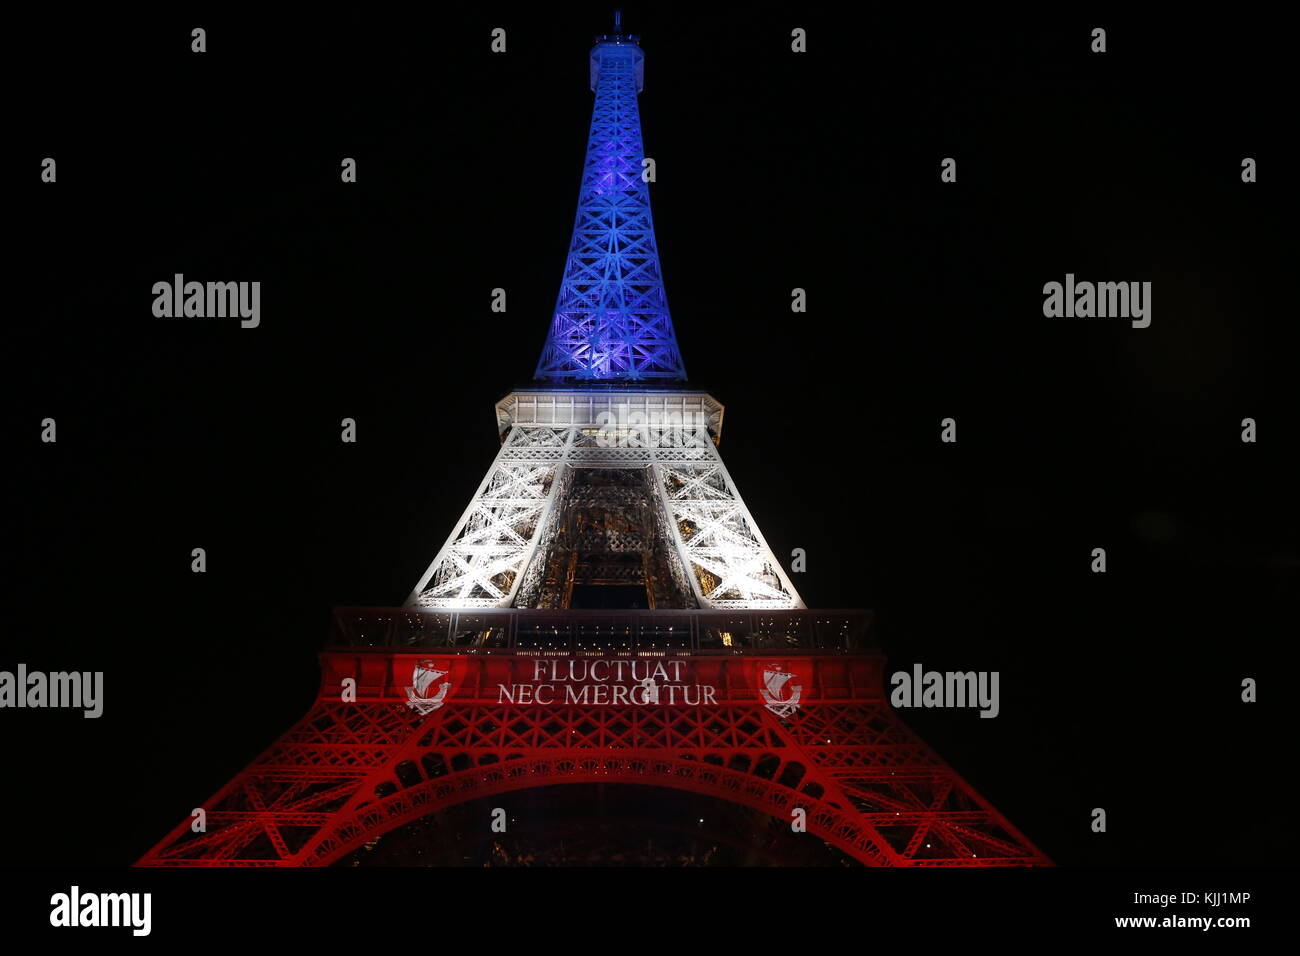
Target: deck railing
x=601, y=632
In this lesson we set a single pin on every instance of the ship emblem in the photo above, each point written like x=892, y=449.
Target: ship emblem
x=774, y=684
x=418, y=697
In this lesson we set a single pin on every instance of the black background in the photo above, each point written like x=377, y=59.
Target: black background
x=775, y=170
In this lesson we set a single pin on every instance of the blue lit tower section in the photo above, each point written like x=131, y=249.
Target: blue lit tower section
x=611, y=319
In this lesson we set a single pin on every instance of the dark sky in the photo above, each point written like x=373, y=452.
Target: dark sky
x=774, y=171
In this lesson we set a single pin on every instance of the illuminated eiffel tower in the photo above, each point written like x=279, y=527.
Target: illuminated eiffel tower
x=605, y=611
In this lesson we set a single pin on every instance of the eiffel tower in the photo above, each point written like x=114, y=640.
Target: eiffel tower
x=606, y=611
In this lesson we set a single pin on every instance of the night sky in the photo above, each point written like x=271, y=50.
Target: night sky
x=775, y=171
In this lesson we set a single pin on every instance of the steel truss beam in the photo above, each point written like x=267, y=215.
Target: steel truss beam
x=350, y=772
x=611, y=320
x=490, y=549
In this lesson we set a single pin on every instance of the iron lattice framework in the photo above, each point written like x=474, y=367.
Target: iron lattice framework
x=352, y=771
x=611, y=318
x=497, y=551
x=605, y=479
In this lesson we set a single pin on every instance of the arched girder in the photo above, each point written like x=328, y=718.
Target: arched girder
x=834, y=825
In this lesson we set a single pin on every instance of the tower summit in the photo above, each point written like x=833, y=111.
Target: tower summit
x=611, y=320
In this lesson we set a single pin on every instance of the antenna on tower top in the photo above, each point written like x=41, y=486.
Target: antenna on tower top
x=617, y=35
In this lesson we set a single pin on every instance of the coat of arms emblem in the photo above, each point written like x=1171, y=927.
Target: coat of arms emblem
x=774, y=693
x=419, y=696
